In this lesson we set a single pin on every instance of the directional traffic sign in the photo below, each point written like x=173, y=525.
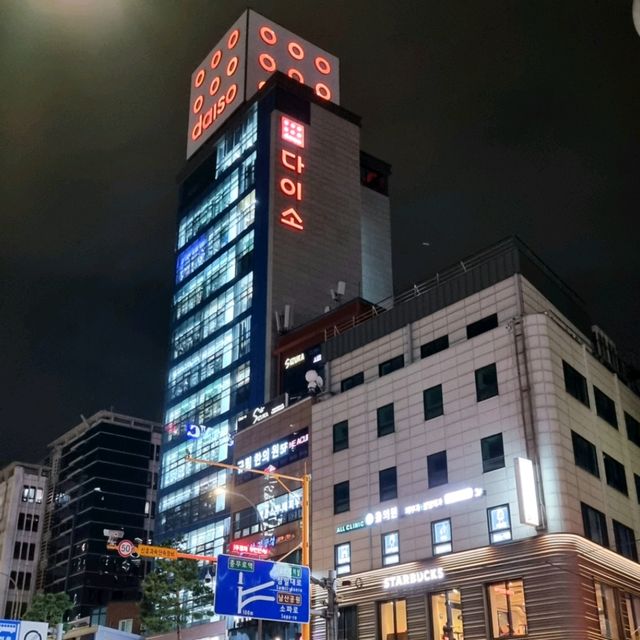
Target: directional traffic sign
x=126, y=548
x=262, y=589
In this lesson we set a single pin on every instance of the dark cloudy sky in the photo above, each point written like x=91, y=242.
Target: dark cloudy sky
x=498, y=116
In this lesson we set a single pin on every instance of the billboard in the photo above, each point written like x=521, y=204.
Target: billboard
x=251, y=50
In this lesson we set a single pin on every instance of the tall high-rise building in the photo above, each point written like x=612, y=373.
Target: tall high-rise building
x=280, y=215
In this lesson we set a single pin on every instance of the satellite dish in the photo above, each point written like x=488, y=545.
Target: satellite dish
x=314, y=381
x=635, y=12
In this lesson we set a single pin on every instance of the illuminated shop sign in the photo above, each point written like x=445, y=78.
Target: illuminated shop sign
x=293, y=361
x=391, y=513
x=416, y=577
x=292, y=169
x=252, y=549
x=278, y=453
x=194, y=431
x=263, y=412
x=527, y=492
x=241, y=62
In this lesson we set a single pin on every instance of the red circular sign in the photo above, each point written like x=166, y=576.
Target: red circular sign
x=126, y=548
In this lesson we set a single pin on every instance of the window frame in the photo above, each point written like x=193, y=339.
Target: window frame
x=492, y=463
x=339, y=505
x=352, y=381
x=391, y=491
x=342, y=444
x=626, y=542
x=440, y=547
x=342, y=568
x=436, y=409
x=605, y=407
x=577, y=439
x=388, y=427
x=477, y=328
x=499, y=534
x=575, y=384
x=391, y=365
x=505, y=585
x=603, y=538
x=615, y=474
x=434, y=346
x=633, y=428
x=438, y=481
x=397, y=635
x=392, y=557
x=348, y=622
x=485, y=391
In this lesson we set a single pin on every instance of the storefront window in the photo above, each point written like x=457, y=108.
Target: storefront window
x=633, y=613
x=393, y=620
x=446, y=615
x=348, y=623
x=508, y=611
x=607, y=614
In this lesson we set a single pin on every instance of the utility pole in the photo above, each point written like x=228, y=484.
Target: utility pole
x=332, y=613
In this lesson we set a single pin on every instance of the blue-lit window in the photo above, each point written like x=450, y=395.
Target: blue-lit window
x=208, y=540
x=237, y=141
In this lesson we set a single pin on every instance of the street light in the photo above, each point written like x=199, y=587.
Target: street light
x=221, y=491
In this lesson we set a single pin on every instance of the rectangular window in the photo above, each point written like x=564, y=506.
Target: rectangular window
x=575, y=384
x=625, y=541
x=348, y=623
x=614, y=471
x=499, y=523
x=388, y=484
x=126, y=625
x=384, y=368
x=341, y=497
x=607, y=610
x=352, y=381
x=437, y=473
x=446, y=615
x=584, y=454
x=492, y=453
x=605, y=407
x=486, y=382
x=390, y=548
x=342, y=557
x=385, y=419
x=508, y=609
x=636, y=478
x=441, y=539
x=633, y=428
x=340, y=436
x=435, y=346
x=595, y=525
x=433, y=406
x=392, y=618
x=482, y=326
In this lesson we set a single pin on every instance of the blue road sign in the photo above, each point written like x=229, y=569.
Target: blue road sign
x=262, y=589
x=9, y=629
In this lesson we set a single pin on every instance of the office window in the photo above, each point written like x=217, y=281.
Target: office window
x=614, y=472
x=607, y=610
x=636, y=478
x=441, y=540
x=499, y=523
x=432, y=399
x=625, y=540
x=483, y=325
x=486, y=382
x=437, y=472
x=341, y=497
x=390, y=548
x=595, y=525
x=446, y=615
x=575, y=384
x=390, y=366
x=24, y=551
x=392, y=618
x=386, y=422
x=605, y=407
x=21, y=580
x=342, y=557
x=492, y=453
x=435, y=346
x=508, y=609
x=388, y=484
x=28, y=522
x=126, y=624
x=341, y=436
x=633, y=428
x=352, y=381
x=584, y=454
x=348, y=623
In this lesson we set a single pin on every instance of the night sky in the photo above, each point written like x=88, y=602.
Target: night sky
x=498, y=117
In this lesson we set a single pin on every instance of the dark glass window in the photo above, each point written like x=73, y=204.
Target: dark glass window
x=636, y=477
x=432, y=399
x=595, y=525
x=341, y=497
x=389, y=366
x=435, y=346
x=614, y=471
x=352, y=381
x=625, y=541
x=341, y=436
x=482, y=326
x=584, y=454
x=575, y=384
x=388, y=482
x=437, y=473
x=605, y=407
x=386, y=421
x=633, y=428
x=486, y=382
x=348, y=623
x=492, y=453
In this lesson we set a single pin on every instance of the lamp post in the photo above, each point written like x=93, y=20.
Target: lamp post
x=221, y=491
x=15, y=588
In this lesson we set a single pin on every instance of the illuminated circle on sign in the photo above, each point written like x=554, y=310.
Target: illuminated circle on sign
x=233, y=39
x=231, y=93
x=291, y=188
x=296, y=75
x=214, y=86
x=200, y=77
x=295, y=50
x=267, y=62
x=322, y=65
x=268, y=35
x=197, y=105
x=232, y=66
x=323, y=91
x=261, y=84
x=215, y=59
